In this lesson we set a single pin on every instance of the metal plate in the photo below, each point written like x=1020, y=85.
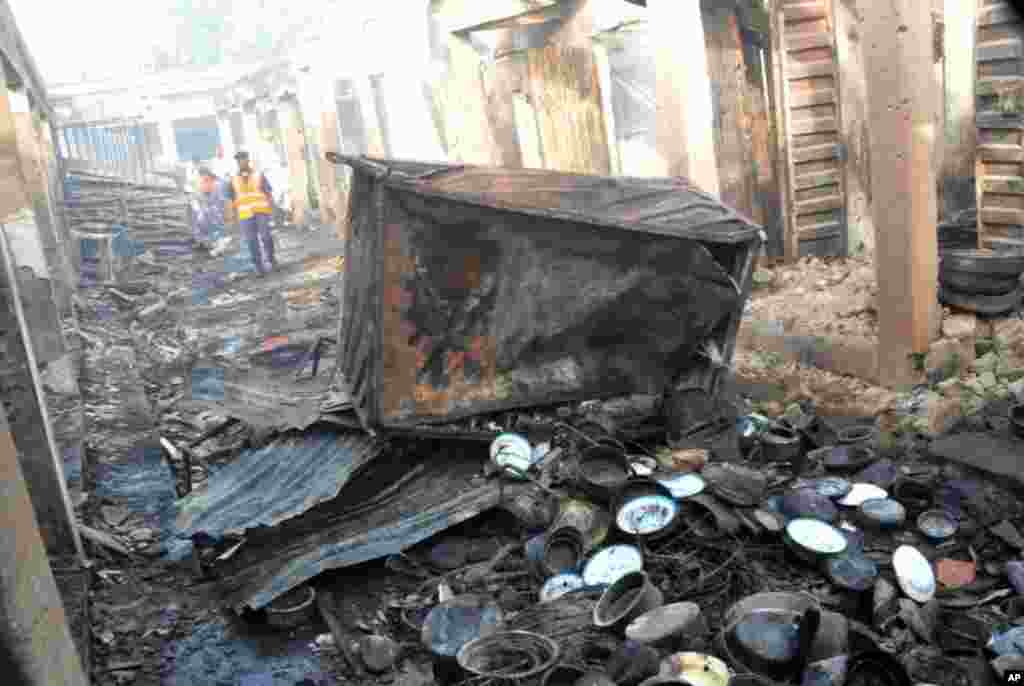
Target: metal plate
x=914, y=573
x=559, y=585
x=861, y=492
x=646, y=514
x=608, y=565
x=816, y=536
x=683, y=485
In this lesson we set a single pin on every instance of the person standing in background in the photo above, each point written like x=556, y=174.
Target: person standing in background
x=252, y=197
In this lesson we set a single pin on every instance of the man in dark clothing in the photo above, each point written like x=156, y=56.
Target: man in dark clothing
x=252, y=197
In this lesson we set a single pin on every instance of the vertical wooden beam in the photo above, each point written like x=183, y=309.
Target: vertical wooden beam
x=900, y=76
x=25, y=326
x=685, y=138
x=34, y=622
x=468, y=129
x=847, y=17
x=576, y=80
x=957, y=174
x=784, y=165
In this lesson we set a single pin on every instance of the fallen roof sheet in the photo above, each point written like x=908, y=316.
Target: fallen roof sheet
x=282, y=480
x=384, y=511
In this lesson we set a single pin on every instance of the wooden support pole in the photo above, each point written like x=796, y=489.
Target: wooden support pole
x=957, y=174
x=685, y=135
x=35, y=626
x=898, y=57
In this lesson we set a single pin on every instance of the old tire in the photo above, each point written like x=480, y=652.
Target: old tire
x=973, y=283
x=983, y=262
x=989, y=305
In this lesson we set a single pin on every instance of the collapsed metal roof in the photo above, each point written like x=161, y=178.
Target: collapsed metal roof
x=282, y=480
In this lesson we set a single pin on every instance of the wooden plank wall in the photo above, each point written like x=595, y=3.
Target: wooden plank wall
x=814, y=152
x=747, y=152
x=999, y=113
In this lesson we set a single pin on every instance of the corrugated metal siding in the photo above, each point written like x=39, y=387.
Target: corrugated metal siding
x=1000, y=118
x=282, y=480
x=814, y=150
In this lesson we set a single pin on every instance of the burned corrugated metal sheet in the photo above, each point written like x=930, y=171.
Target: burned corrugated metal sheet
x=397, y=504
x=474, y=290
x=666, y=206
x=282, y=480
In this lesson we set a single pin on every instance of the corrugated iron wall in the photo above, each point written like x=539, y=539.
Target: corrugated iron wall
x=1000, y=118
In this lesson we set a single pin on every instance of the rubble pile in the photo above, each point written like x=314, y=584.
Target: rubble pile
x=813, y=553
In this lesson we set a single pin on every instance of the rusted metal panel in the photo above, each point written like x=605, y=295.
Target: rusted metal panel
x=402, y=501
x=473, y=289
x=271, y=485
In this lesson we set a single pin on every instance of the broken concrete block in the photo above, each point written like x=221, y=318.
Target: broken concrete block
x=988, y=380
x=959, y=326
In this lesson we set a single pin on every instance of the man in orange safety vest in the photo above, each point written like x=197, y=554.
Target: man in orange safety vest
x=251, y=196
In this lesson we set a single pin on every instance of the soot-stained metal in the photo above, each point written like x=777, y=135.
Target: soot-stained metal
x=472, y=290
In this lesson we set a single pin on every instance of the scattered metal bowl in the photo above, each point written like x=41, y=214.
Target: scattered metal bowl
x=560, y=585
x=781, y=444
x=603, y=471
x=832, y=487
x=813, y=541
x=847, y=458
x=808, y=503
x=608, y=565
x=855, y=434
x=684, y=485
x=625, y=600
x=881, y=513
x=861, y=492
x=937, y=525
x=646, y=509
x=914, y=573
x=795, y=603
x=1017, y=419
x=293, y=609
x=852, y=572
x=642, y=465
x=668, y=628
x=509, y=655
x=696, y=669
x=876, y=668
